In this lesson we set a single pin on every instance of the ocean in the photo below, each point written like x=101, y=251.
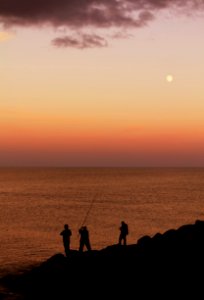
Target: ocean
x=35, y=203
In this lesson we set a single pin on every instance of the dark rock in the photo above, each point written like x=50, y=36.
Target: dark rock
x=144, y=241
x=172, y=262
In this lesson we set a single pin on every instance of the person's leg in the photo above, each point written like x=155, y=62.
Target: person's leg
x=125, y=241
x=66, y=248
x=67, y=251
x=88, y=245
x=120, y=239
x=81, y=246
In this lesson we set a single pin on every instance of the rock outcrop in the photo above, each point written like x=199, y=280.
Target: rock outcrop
x=169, y=264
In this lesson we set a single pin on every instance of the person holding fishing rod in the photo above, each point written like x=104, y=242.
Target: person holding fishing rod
x=84, y=239
x=83, y=231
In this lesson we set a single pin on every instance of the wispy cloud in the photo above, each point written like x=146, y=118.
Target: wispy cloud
x=80, y=41
x=79, y=14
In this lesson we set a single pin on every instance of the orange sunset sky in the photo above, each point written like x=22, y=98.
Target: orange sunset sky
x=84, y=83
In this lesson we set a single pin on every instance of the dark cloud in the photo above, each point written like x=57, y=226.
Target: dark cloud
x=78, y=14
x=81, y=41
x=74, y=13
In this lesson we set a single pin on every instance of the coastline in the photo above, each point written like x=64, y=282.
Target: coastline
x=116, y=269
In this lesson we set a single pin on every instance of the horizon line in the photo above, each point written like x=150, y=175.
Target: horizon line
x=100, y=167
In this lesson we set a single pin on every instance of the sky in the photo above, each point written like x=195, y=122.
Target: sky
x=102, y=83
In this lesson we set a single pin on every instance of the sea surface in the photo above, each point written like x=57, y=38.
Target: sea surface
x=35, y=203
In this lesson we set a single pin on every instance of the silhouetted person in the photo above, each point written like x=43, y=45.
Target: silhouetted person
x=123, y=233
x=84, y=239
x=66, y=233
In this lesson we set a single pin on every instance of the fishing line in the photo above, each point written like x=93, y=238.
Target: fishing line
x=89, y=210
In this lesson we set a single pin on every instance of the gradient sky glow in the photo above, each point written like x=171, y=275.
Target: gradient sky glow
x=97, y=100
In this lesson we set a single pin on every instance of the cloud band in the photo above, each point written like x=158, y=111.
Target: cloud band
x=79, y=14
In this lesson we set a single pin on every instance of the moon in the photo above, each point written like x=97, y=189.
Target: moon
x=169, y=78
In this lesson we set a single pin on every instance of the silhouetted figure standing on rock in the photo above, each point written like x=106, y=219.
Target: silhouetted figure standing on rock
x=123, y=233
x=84, y=239
x=66, y=233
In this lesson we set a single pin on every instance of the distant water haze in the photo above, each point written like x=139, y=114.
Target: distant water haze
x=35, y=203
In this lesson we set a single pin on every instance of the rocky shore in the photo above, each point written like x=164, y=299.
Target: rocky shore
x=165, y=265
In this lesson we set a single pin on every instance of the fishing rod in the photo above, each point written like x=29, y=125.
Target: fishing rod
x=89, y=209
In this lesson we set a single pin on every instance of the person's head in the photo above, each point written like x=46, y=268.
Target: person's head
x=66, y=226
